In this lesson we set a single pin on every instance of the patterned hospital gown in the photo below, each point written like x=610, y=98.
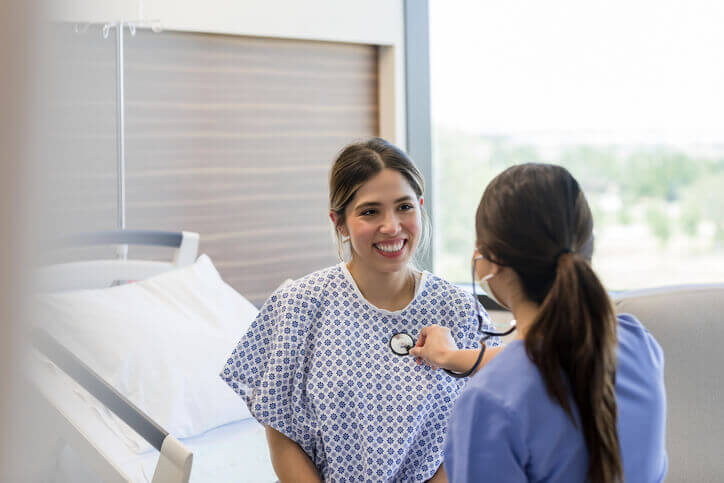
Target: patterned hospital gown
x=316, y=365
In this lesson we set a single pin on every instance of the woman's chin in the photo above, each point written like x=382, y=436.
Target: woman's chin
x=393, y=264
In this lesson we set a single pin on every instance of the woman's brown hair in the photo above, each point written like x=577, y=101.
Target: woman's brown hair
x=359, y=162
x=535, y=219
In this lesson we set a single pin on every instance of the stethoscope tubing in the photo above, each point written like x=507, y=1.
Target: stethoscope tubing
x=487, y=335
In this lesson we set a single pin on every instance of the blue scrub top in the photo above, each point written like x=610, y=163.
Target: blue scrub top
x=505, y=427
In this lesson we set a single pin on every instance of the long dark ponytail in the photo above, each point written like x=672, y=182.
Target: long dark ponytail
x=535, y=219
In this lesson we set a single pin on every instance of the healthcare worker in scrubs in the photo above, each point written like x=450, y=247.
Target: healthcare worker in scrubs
x=579, y=394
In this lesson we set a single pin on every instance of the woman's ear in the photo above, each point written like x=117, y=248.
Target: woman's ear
x=496, y=269
x=335, y=221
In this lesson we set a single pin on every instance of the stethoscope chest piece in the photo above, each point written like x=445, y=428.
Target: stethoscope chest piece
x=401, y=343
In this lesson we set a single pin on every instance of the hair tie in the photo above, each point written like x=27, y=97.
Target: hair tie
x=561, y=253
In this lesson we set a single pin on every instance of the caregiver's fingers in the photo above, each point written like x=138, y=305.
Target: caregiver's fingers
x=423, y=336
x=425, y=332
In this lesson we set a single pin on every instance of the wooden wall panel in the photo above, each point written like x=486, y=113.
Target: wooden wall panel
x=233, y=137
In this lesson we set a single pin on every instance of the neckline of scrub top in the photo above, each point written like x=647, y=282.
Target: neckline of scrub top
x=422, y=276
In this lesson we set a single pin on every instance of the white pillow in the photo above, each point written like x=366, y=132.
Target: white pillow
x=161, y=342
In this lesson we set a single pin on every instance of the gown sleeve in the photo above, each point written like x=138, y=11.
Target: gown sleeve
x=489, y=326
x=483, y=442
x=267, y=367
x=464, y=323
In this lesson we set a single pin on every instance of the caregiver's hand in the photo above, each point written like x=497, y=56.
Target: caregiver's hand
x=435, y=346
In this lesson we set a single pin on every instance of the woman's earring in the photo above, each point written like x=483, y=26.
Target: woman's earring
x=340, y=246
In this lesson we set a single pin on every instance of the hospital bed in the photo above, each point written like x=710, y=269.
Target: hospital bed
x=105, y=349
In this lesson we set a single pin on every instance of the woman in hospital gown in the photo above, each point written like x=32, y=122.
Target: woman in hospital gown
x=317, y=366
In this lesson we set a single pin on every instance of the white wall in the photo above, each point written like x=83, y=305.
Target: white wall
x=378, y=22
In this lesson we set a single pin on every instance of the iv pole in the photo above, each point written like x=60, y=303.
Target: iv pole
x=122, y=250
x=120, y=126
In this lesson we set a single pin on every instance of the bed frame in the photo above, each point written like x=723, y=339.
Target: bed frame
x=103, y=273
x=175, y=460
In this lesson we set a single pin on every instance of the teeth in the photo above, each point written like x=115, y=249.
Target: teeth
x=390, y=247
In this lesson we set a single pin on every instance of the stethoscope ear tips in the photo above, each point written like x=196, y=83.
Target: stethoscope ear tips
x=401, y=343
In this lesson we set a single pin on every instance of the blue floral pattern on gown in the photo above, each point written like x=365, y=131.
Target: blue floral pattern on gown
x=316, y=365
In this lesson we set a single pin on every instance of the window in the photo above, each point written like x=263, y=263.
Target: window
x=627, y=95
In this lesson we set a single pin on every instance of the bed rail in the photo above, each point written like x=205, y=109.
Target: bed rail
x=128, y=237
x=100, y=389
x=174, y=460
x=103, y=273
x=186, y=242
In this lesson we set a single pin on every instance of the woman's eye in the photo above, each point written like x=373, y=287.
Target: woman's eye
x=406, y=207
x=369, y=212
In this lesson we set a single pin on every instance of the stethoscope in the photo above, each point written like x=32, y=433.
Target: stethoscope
x=402, y=342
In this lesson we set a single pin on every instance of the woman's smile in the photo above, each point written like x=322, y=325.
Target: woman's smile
x=391, y=248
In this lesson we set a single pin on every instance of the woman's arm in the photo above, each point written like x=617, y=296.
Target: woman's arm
x=439, y=477
x=289, y=460
x=436, y=347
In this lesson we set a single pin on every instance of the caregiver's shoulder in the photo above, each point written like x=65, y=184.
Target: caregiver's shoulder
x=510, y=379
x=633, y=337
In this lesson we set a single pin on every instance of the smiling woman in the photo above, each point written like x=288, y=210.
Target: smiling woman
x=325, y=366
x=385, y=216
x=381, y=219
x=394, y=174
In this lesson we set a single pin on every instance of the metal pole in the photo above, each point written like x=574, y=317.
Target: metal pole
x=120, y=138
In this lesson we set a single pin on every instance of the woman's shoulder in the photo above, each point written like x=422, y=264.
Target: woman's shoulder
x=512, y=363
x=444, y=288
x=319, y=278
x=309, y=288
x=511, y=377
x=635, y=341
x=630, y=324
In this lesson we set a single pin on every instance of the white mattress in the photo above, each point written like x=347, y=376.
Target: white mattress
x=234, y=452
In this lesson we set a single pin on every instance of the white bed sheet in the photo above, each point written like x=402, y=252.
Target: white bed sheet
x=234, y=452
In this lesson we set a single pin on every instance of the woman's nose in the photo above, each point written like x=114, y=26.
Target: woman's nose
x=390, y=224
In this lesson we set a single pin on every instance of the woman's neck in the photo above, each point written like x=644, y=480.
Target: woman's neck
x=389, y=291
x=525, y=312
